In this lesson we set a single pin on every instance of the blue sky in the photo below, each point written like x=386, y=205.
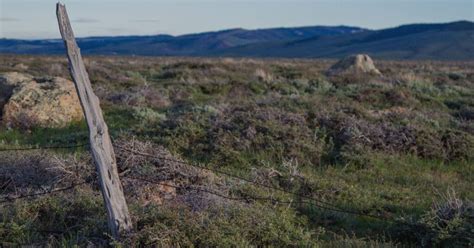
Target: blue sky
x=30, y=19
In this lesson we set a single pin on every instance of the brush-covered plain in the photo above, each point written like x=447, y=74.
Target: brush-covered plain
x=399, y=146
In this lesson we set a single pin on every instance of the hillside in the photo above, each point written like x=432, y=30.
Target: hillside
x=453, y=41
x=450, y=41
x=166, y=45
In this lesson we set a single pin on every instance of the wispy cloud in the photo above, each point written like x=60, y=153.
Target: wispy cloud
x=146, y=20
x=85, y=20
x=9, y=19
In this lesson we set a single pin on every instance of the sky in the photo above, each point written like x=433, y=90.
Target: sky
x=35, y=19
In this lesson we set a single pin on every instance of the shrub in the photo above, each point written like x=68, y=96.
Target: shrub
x=449, y=223
x=355, y=136
x=455, y=76
x=148, y=116
x=466, y=113
x=457, y=145
x=319, y=86
x=428, y=144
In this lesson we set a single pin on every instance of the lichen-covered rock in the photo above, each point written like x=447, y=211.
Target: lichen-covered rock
x=8, y=82
x=38, y=102
x=14, y=78
x=354, y=64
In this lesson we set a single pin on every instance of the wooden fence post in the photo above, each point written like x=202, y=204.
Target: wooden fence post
x=101, y=145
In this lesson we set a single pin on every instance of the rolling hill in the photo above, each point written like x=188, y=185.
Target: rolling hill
x=452, y=41
x=448, y=41
x=166, y=45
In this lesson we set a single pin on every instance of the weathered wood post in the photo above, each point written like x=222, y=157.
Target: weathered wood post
x=101, y=145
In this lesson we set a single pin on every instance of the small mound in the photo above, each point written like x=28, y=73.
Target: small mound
x=354, y=64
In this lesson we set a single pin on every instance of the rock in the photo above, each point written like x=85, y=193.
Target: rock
x=21, y=67
x=8, y=82
x=38, y=102
x=354, y=64
x=264, y=76
x=14, y=78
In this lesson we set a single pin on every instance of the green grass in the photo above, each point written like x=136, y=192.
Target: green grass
x=366, y=145
x=73, y=134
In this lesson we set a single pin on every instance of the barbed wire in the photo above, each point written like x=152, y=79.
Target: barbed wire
x=216, y=171
x=325, y=205
x=44, y=147
x=310, y=200
x=6, y=199
x=247, y=198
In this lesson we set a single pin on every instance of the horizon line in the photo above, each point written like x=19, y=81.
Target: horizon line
x=240, y=28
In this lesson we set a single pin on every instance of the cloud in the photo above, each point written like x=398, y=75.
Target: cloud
x=85, y=20
x=146, y=20
x=9, y=19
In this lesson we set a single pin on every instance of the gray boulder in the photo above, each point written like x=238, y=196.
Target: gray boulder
x=354, y=64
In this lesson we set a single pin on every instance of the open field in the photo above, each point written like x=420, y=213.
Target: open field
x=398, y=146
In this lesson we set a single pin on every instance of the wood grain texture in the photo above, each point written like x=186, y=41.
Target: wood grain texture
x=101, y=145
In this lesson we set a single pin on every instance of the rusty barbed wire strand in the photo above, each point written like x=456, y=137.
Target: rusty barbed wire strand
x=43, y=147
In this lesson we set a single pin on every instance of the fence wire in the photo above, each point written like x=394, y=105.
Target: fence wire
x=7, y=198
x=32, y=148
x=307, y=199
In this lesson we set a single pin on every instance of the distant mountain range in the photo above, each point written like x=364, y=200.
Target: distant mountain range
x=448, y=41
